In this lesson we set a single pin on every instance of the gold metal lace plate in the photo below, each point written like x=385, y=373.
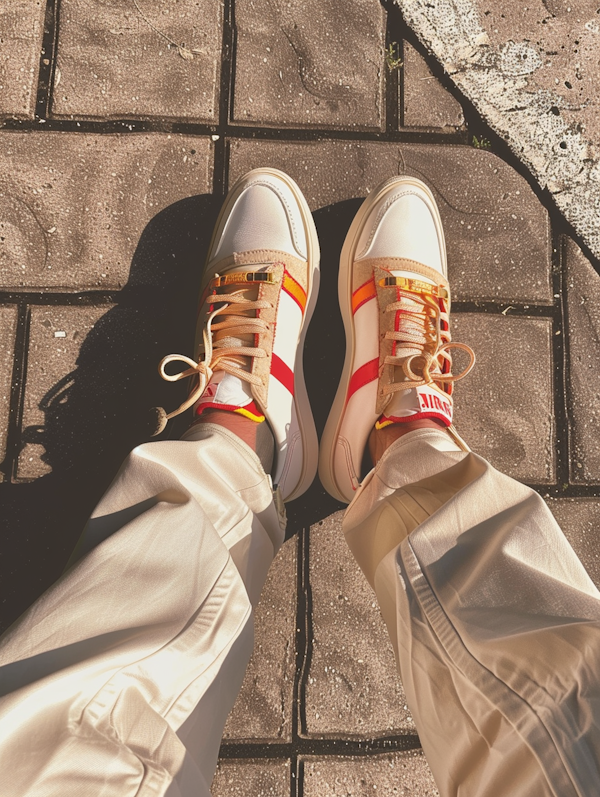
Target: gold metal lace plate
x=414, y=286
x=241, y=277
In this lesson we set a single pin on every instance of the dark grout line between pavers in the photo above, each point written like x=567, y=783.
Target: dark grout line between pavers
x=303, y=636
x=46, y=68
x=314, y=746
x=559, y=343
x=17, y=393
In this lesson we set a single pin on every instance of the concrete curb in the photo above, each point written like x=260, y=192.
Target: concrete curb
x=498, y=81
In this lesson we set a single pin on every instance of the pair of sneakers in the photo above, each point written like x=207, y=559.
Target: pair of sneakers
x=258, y=293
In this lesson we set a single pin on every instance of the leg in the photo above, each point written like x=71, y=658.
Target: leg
x=122, y=675
x=493, y=619
x=118, y=680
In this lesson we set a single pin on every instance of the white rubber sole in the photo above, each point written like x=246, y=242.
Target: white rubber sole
x=330, y=436
x=308, y=432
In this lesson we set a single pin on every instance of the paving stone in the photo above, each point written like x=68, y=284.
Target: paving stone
x=352, y=687
x=306, y=64
x=55, y=339
x=385, y=775
x=8, y=328
x=126, y=60
x=73, y=206
x=426, y=103
x=22, y=26
x=91, y=381
x=497, y=232
x=263, y=710
x=503, y=414
x=579, y=518
x=583, y=287
x=252, y=778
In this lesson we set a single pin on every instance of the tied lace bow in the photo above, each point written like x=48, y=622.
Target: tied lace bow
x=224, y=353
x=423, y=331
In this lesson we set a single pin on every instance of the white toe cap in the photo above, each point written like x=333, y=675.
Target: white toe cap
x=405, y=225
x=265, y=215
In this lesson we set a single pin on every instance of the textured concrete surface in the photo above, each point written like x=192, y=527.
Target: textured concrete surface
x=584, y=362
x=579, y=518
x=8, y=329
x=21, y=32
x=55, y=338
x=263, y=710
x=248, y=778
x=138, y=60
x=425, y=102
x=352, y=686
x=388, y=775
x=497, y=232
x=73, y=208
x=531, y=72
x=292, y=65
x=504, y=415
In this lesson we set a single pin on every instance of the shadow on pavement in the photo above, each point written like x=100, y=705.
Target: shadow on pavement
x=98, y=412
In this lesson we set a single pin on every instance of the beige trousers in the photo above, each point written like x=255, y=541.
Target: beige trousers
x=119, y=679
x=494, y=621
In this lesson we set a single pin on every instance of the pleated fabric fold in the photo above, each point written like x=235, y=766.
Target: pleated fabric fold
x=119, y=679
x=494, y=621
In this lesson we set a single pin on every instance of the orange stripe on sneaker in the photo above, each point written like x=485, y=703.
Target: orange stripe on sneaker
x=361, y=377
x=282, y=373
x=363, y=294
x=295, y=290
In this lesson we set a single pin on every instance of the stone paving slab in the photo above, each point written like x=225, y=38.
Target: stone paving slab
x=384, y=775
x=579, y=518
x=263, y=709
x=497, y=232
x=55, y=340
x=352, y=688
x=91, y=380
x=583, y=290
x=8, y=329
x=73, y=207
x=505, y=415
x=252, y=778
x=306, y=64
x=112, y=62
x=425, y=102
x=22, y=27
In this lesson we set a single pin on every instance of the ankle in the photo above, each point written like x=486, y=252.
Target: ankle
x=381, y=439
x=242, y=427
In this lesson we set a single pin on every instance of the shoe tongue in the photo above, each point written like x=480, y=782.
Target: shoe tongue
x=407, y=399
x=227, y=389
x=402, y=404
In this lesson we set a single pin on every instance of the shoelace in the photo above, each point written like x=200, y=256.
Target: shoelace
x=421, y=331
x=225, y=353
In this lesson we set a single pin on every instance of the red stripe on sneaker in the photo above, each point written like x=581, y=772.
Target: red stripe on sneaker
x=363, y=294
x=295, y=290
x=362, y=376
x=384, y=420
x=282, y=373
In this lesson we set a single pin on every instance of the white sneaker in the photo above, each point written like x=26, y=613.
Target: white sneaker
x=395, y=302
x=258, y=294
